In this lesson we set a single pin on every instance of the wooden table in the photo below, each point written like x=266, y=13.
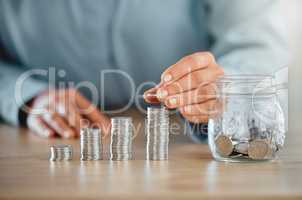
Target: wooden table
x=190, y=173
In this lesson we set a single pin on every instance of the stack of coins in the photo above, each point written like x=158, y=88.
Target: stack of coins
x=121, y=138
x=59, y=152
x=157, y=132
x=91, y=144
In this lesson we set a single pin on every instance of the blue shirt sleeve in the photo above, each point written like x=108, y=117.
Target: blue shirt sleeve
x=249, y=36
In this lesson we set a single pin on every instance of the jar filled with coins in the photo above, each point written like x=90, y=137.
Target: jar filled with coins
x=248, y=122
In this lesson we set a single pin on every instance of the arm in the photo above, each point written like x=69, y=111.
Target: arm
x=51, y=112
x=249, y=36
x=9, y=106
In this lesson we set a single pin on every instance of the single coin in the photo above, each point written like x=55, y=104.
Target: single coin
x=224, y=145
x=258, y=149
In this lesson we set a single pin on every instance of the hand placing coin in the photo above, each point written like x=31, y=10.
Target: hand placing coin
x=189, y=85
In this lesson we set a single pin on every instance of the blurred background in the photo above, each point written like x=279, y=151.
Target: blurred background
x=293, y=15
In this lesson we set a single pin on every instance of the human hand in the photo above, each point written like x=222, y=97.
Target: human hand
x=60, y=112
x=189, y=85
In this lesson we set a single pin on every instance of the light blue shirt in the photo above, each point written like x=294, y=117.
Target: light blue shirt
x=141, y=38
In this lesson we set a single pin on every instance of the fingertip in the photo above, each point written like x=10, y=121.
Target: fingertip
x=68, y=134
x=151, y=98
x=146, y=96
x=47, y=133
x=220, y=73
x=51, y=134
x=150, y=95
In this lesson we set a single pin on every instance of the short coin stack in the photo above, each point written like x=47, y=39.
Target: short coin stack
x=121, y=138
x=157, y=132
x=60, y=152
x=91, y=144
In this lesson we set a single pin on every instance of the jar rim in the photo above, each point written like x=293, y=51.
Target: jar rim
x=247, y=84
x=245, y=78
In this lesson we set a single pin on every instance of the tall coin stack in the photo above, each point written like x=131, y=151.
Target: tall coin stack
x=157, y=132
x=91, y=144
x=60, y=152
x=121, y=138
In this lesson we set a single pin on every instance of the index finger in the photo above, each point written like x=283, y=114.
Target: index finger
x=150, y=96
x=187, y=65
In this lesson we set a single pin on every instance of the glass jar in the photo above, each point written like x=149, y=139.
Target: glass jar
x=249, y=123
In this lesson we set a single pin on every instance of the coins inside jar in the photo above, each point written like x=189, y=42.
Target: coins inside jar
x=254, y=149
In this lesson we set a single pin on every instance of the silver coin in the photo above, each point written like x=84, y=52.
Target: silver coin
x=121, y=157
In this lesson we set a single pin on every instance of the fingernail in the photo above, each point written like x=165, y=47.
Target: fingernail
x=173, y=101
x=162, y=93
x=167, y=77
x=67, y=134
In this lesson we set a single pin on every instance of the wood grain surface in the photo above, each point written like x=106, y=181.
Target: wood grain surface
x=190, y=172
